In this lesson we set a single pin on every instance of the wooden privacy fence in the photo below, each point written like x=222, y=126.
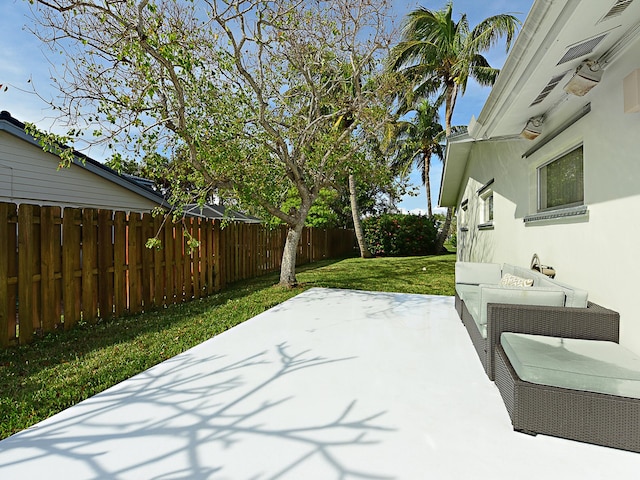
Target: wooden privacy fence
x=58, y=267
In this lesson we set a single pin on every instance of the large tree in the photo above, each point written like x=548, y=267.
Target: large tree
x=415, y=141
x=438, y=55
x=243, y=91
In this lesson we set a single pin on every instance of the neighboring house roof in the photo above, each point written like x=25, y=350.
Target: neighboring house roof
x=218, y=212
x=554, y=41
x=16, y=128
x=141, y=187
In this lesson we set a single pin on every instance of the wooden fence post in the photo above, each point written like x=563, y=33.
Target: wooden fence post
x=133, y=262
x=89, y=266
x=106, y=267
x=169, y=261
x=5, y=232
x=188, y=255
x=25, y=273
x=217, y=257
x=120, y=263
x=146, y=228
x=158, y=265
x=70, y=262
x=178, y=250
x=50, y=248
x=200, y=258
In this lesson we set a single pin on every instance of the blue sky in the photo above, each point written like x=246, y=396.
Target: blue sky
x=23, y=64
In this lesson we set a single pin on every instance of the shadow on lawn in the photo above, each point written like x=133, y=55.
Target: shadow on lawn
x=194, y=416
x=60, y=347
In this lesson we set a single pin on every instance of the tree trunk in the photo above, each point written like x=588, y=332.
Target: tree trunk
x=289, y=254
x=451, y=95
x=357, y=225
x=427, y=182
x=442, y=237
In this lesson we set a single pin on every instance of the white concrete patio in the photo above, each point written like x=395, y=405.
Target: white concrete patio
x=332, y=384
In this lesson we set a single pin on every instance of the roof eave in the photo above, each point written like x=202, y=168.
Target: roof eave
x=455, y=166
x=16, y=128
x=524, y=54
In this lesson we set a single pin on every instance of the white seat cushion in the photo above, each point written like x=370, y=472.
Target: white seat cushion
x=589, y=365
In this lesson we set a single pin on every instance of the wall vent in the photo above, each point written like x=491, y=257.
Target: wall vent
x=581, y=49
x=617, y=9
x=547, y=90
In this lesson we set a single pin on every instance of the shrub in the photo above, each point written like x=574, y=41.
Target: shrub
x=400, y=235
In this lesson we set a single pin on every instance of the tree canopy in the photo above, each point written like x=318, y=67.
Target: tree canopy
x=246, y=98
x=438, y=55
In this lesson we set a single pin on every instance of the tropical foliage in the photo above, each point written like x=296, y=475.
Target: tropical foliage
x=246, y=99
x=400, y=235
x=438, y=55
x=415, y=142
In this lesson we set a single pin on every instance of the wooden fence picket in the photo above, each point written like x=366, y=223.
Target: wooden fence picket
x=119, y=264
x=6, y=323
x=146, y=229
x=105, y=263
x=89, y=266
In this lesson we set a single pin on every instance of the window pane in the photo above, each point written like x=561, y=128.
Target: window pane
x=561, y=181
x=487, y=208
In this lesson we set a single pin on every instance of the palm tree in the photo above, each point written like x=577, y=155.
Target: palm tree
x=416, y=142
x=438, y=55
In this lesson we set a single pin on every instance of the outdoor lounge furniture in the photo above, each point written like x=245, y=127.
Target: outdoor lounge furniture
x=547, y=307
x=585, y=390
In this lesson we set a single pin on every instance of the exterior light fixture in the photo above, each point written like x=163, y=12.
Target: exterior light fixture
x=533, y=128
x=586, y=76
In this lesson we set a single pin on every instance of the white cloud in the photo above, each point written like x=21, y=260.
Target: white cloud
x=441, y=210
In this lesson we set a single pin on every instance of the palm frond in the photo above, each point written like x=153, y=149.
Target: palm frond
x=437, y=55
x=489, y=31
x=485, y=76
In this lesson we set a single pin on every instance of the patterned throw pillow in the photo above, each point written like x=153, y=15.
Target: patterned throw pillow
x=509, y=280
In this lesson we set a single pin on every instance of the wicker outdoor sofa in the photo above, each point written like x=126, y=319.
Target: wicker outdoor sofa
x=512, y=313
x=582, y=390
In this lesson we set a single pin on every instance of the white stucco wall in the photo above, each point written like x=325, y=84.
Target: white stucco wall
x=599, y=252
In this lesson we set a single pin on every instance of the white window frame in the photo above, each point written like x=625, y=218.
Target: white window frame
x=539, y=193
x=487, y=213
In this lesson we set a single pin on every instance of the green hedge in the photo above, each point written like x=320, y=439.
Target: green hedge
x=400, y=235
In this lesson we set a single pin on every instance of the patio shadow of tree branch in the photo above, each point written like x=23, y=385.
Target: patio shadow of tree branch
x=218, y=413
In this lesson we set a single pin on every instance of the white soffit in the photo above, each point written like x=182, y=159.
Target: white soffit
x=457, y=155
x=555, y=39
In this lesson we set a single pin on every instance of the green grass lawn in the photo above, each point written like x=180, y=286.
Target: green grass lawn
x=41, y=379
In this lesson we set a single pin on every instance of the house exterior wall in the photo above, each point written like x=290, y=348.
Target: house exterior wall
x=30, y=175
x=599, y=251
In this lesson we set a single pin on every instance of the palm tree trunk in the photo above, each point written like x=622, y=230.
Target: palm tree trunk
x=427, y=182
x=357, y=225
x=450, y=102
x=451, y=94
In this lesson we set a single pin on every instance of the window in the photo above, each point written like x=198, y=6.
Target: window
x=486, y=210
x=487, y=201
x=560, y=182
x=462, y=217
x=485, y=205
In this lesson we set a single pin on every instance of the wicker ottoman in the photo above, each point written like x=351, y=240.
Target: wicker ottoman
x=579, y=401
